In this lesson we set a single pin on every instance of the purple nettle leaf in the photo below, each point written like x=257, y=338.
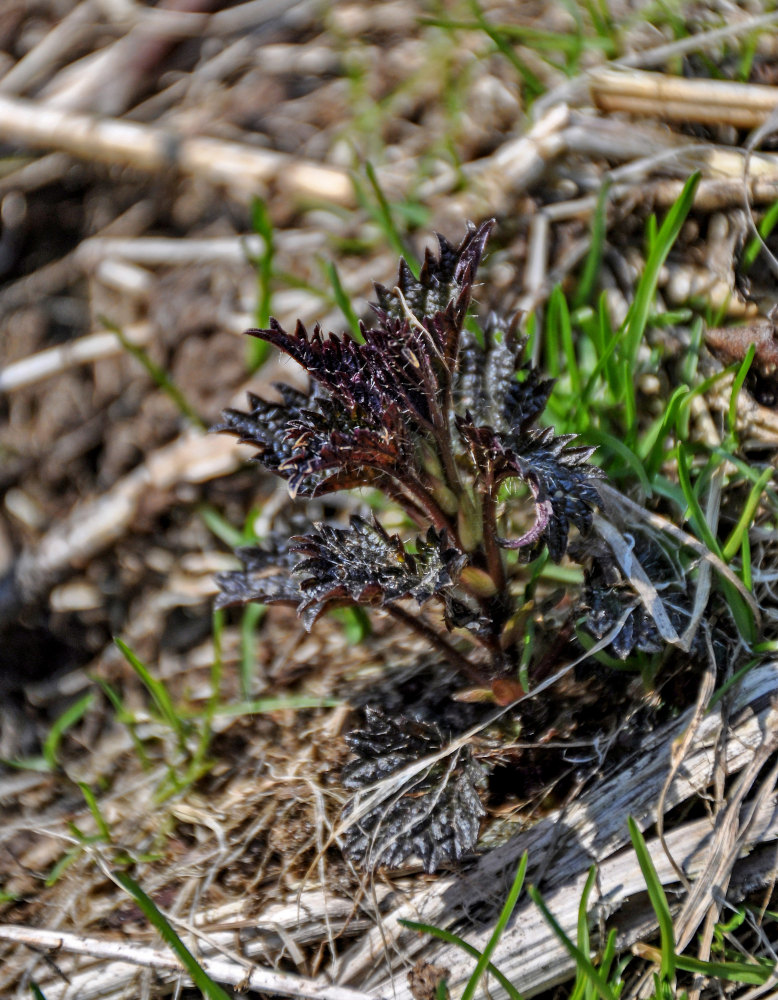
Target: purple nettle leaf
x=435, y=817
x=365, y=565
x=266, y=576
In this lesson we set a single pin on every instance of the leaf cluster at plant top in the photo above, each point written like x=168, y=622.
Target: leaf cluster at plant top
x=440, y=413
x=438, y=418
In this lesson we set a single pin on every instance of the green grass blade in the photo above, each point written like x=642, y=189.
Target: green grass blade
x=747, y=973
x=158, y=692
x=737, y=385
x=582, y=984
x=62, y=866
x=158, y=375
x=533, y=84
x=765, y=228
x=738, y=606
x=61, y=725
x=745, y=562
x=591, y=268
x=125, y=717
x=249, y=623
x=260, y=220
x=740, y=532
x=263, y=706
x=220, y=526
x=617, y=448
x=732, y=682
x=505, y=915
x=199, y=977
x=626, y=369
x=583, y=962
x=694, y=510
x=656, y=895
x=557, y=307
x=652, y=447
x=94, y=808
x=660, y=246
x=36, y=991
x=199, y=764
x=259, y=350
x=385, y=219
x=449, y=938
x=609, y=953
x=343, y=303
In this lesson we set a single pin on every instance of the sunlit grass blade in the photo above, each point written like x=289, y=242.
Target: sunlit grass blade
x=694, y=511
x=343, y=302
x=581, y=981
x=264, y=706
x=502, y=920
x=60, y=726
x=746, y=973
x=652, y=449
x=94, y=808
x=740, y=532
x=249, y=623
x=591, y=268
x=199, y=977
x=559, y=316
x=582, y=962
x=158, y=374
x=532, y=83
x=614, y=447
x=158, y=692
x=449, y=938
x=737, y=385
x=660, y=245
x=385, y=219
x=656, y=895
x=258, y=350
x=125, y=717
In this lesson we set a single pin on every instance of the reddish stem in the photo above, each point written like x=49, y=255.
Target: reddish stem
x=455, y=658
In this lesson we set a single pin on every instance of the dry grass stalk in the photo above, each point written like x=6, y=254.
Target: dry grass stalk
x=712, y=102
x=53, y=360
x=244, y=169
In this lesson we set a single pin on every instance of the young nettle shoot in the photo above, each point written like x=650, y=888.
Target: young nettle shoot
x=440, y=417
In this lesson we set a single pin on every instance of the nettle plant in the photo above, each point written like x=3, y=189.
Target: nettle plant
x=440, y=415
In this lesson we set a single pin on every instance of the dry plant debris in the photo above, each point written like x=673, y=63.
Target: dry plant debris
x=178, y=171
